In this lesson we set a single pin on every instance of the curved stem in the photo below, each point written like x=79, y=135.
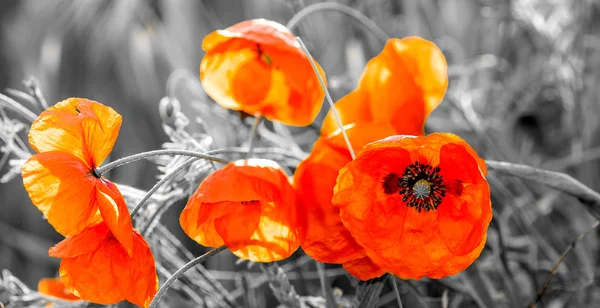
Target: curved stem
x=129, y=159
x=257, y=121
x=335, y=113
x=160, y=183
x=180, y=272
x=338, y=7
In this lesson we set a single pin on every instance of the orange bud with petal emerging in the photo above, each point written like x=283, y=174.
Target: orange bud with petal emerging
x=400, y=86
x=257, y=66
x=54, y=287
x=249, y=206
x=73, y=138
x=96, y=267
x=420, y=206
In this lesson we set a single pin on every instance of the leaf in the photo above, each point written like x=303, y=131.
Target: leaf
x=557, y=180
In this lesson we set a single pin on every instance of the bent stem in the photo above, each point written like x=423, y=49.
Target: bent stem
x=181, y=271
x=257, y=121
x=160, y=183
x=129, y=159
x=368, y=292
x=329, y=100
x=344, y=9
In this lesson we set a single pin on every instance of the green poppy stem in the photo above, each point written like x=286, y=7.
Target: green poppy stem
x=329, y=100
x=181, y=271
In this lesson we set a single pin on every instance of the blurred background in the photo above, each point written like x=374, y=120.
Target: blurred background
x=524, y=78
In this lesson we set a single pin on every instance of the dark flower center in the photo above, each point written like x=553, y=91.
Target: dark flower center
x=420, y=186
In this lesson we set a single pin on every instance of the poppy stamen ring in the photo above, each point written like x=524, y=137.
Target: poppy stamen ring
x=421, y=186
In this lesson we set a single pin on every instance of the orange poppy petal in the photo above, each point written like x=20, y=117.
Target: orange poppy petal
x=115, y=212
x=325, y=238
x=465, y=213
x=256, y=190
x=85, y=128
x=135, y=276
x=61, y=187
x=353, y=107
x=363, y=269
x=261, y=31
x=107, y=274
x=239, y=223
x=405, y=82
x=82, y=243
x=56, y=288
x=258, y=66
x=419, y=206
x=89, y=276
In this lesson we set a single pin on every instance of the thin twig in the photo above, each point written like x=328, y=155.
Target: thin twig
x=395, y=287
x=156, y=186
x=253, y=131
x=559, y=261
x=335, y=113
x=181, y=271
x=324, y=287
x=338, y=7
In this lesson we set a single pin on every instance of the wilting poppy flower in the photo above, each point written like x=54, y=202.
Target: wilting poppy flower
x=72, y=138
x=420, y=206
x=95, y=267
x=400, y=86
x=250, y=207
x=54, y=287
x=257, y=66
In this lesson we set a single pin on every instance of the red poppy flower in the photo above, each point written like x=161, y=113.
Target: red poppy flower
x=400, y=86
x=249, y=206
x=420, y=206
x=95, y=267
x=257, y=66
x=72, y=138
x=54, y=287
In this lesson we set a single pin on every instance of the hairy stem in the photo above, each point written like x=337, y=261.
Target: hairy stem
x=253, y=131
x=181, y=271
x=129, y=159
x=344, y=9
x=329, y=100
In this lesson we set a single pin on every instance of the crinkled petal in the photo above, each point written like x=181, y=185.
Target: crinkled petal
x=352, y=108
x=465, y=213
x=405, y=82
x=258, y=67
x=135, y=275
x=238, y=224
x=363, y=269
x=325, y=237
x=56, y=288
x=256, y=191
x=82, y=243
x=115, y=212
x=60, y=186
x=90, y=276
x=79, y=126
